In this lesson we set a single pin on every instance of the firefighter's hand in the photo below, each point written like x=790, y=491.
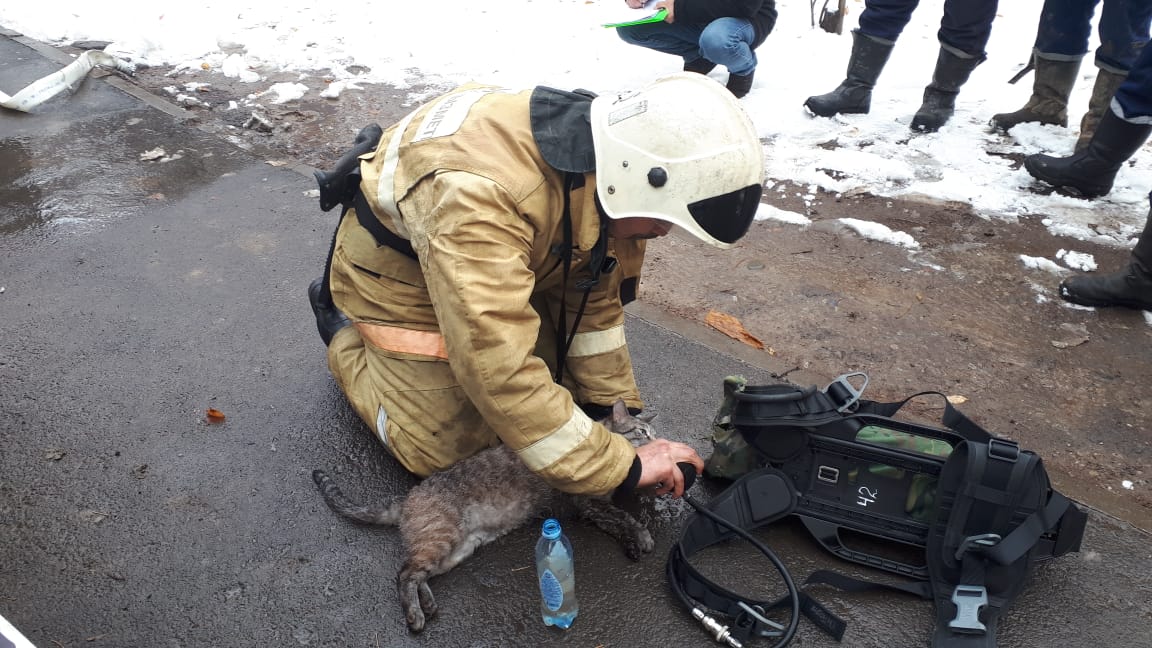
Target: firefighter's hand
x=635, y=4
x=670, y=5
x=658, y=469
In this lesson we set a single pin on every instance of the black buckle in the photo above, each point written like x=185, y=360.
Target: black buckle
x=976, y=542
x=844, y=392
x=606, y=267
x=1003, y=450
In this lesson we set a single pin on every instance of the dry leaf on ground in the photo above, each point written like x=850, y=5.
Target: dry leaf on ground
x=732, y=327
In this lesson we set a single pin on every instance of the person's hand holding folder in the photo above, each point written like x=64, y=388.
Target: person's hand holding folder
x=666, y=5
x=653, y=11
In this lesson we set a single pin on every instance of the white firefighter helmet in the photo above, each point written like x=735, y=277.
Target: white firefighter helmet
x=680, y=150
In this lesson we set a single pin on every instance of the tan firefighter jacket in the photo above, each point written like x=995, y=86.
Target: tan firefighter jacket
x=464, y=179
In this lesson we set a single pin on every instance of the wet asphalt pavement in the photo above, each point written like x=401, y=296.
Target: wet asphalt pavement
x=139, y=293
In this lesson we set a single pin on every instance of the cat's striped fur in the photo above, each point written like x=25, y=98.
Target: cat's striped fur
x=446, y=517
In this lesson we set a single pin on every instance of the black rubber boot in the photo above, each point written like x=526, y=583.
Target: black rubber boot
x=952, y=72
x=1092, y=170
x=854, y=94
x=1106, y=84
x=740, y=84
x=1050, y=91
x=1131, y=288
x=329, y=319
x=699, y=66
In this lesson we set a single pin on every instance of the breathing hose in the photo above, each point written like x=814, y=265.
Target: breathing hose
x=719, y=632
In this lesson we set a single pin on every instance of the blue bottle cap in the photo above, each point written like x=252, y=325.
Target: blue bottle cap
x=551, y=529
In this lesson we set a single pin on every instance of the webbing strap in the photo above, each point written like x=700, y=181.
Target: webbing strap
x=923, y=589
x=981, y=561
x=1023, y=537
x=952, y=419
x=367, y=220
x=752, y=501
x=336, y=188
x=755, y=500
x=383, y=235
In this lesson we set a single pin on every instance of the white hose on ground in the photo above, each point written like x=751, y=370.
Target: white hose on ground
x=60, y=80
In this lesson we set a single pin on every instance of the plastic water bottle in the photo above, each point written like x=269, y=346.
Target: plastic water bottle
x=556, y=575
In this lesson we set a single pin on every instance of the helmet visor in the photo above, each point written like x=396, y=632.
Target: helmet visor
x=727, y=217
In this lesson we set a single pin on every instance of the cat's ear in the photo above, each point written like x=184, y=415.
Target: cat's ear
x=620, y=410
x=646, y=416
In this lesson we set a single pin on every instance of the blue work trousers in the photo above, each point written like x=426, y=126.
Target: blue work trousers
x=1133, y=99
x=965, y=26
x=724, y=41
x=1065, y=26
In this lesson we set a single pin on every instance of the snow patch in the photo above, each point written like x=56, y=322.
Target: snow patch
x=1077, y=260
x=880, y=232
x=1040, y=263
x=768, y=212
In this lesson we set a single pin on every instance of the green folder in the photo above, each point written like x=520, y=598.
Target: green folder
x=651, y=18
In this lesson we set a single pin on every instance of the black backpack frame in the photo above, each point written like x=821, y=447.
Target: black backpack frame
x=994, y=512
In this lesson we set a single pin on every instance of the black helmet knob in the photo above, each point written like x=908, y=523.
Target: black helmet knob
x=657, y=176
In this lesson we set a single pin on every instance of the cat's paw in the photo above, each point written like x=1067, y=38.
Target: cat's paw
x=642, y=544
x=413, y=603
x=415, y=618
x=427, y=601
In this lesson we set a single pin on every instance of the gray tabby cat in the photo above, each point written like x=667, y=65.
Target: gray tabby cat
x=450, y=514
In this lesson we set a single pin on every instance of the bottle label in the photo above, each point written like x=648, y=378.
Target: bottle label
x=551, y=590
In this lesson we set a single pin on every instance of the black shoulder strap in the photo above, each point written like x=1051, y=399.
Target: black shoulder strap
x=368, y=220
x=952, y=418
x=756, y=499
x=996, y=516
x=341, y=186
x=383, y=235
x=995, y=505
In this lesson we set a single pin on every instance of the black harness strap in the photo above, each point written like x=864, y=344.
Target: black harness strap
x=598, y=263
x=1057, y=514
x=755, y=500
x=849, y=584
x=565, y=252
x=336, y=187
x=368, y=220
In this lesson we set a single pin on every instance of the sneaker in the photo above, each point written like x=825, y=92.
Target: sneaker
x=329, y=319
x=740, y=84
x=699, y=66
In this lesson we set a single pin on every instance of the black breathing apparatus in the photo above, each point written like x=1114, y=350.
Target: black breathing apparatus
x=980, y=510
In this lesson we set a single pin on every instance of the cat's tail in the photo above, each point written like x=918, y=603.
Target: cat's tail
x=337, y=501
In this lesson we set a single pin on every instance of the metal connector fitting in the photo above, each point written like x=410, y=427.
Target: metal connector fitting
x=718, y=632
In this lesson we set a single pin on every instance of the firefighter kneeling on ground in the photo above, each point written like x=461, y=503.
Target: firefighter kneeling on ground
x=481, y=300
